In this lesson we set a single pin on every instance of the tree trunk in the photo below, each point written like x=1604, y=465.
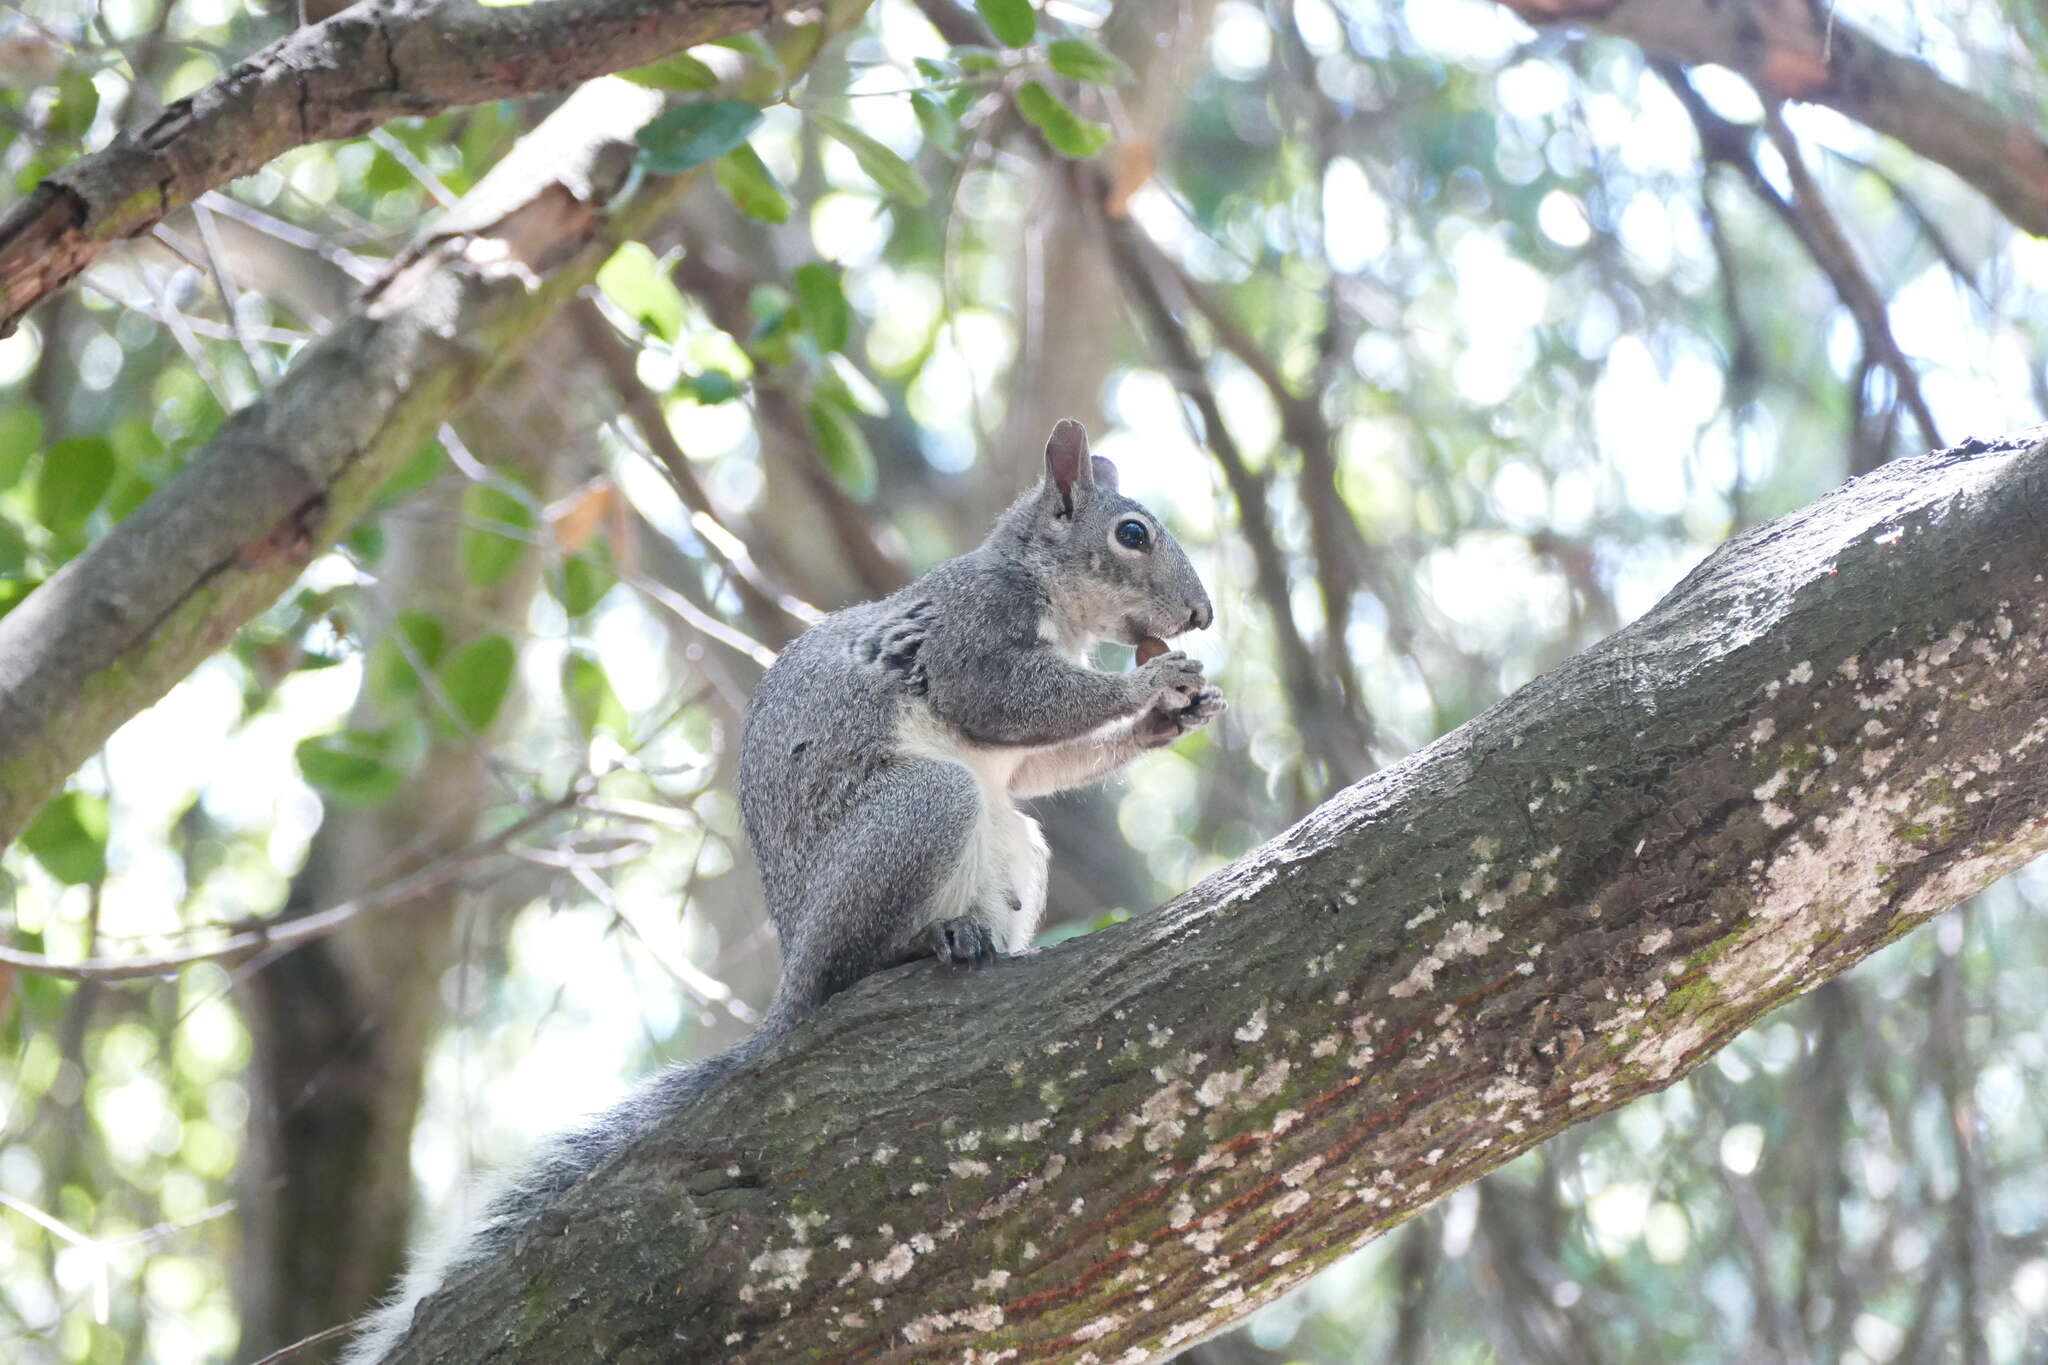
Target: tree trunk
x=1832, y=730
x=340, y=1027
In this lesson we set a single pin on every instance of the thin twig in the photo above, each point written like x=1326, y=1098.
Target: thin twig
x=1831, y=250
x=1812, y=222
x=230, y=294
x=302, y=929
x=1331, y=731
x=324, y=1334
x=778, y=614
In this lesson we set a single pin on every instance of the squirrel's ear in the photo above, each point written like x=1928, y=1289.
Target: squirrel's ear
x=1105, y=473
x=1067, y=463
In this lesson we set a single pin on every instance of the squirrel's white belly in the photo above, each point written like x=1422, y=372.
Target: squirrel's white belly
x=1000, y=878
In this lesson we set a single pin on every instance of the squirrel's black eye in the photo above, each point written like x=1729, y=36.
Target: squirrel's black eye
x=1132, y=535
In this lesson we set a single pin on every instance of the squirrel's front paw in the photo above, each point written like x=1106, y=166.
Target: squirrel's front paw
x=961, y=942
x=1171, y=716
x=1170, y=680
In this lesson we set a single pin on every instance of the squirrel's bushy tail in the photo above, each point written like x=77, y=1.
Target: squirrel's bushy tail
x=513, y=1198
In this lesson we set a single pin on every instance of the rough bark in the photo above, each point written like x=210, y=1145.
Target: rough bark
x=1833, y=729
x=113, y=629
x=1793, y=49
x=340, y=78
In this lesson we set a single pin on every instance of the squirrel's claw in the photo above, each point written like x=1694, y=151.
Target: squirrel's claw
x=1165, y=722
x=961, y=942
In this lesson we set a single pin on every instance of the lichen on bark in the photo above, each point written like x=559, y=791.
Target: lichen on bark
x=1834, y=728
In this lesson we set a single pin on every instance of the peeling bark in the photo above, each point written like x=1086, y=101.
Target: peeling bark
x=1795, y=50
x=116, y=627
x=339, y=78
x=1832, y=730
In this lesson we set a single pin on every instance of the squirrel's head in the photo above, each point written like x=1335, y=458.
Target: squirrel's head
x=1113, y=570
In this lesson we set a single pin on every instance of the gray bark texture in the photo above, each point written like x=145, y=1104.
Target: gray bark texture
x=366, y=65
x=118, y=626
x=1833, y=729
x=284, y=477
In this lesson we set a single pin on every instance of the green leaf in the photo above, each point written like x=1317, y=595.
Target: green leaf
x=355, y=767
x=851, y=389
x=937, y=121
x=21, y=434
x=774, y=314
x=365, y=540
x=69, y=838
x=978, y=60
x=583, y=585
x=712, y=386
x=135, y=441
x=1065, y=131
x=477, y=680
x=14, y=590
x=416, y=473
x=387, y=175
x=896, y=177
x=392, y=675
x=768, y=305
x=843, y=447
x=78, y=100
x=487, y=554
x=679, y=71
x=750, y=45
x=689, y=135
x=131, y=490
x=1011, y=21
x=634, y=280
x=1078, y=59
x=75, y=475
x=935, y=70
x=13, y=549
x=821, y=304
x=753, y=187
x=589, y=696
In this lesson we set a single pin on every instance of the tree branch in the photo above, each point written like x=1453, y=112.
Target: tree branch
x=340, y=78
x=776, y=616
x=1337, y=732
x=272, y=936
x=117, y=626
x=1833, y=729
x=1795, y=50
x=113, y=629
x=1807, y=216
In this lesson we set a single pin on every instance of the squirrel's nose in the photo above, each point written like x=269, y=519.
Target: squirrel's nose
x=1201, y=616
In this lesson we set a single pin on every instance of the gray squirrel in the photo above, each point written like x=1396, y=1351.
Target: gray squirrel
x=880, y=765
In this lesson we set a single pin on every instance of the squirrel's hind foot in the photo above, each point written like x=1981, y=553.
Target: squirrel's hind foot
x=960, y=942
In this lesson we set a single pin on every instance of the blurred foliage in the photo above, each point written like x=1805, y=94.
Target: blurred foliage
x=1554, y=361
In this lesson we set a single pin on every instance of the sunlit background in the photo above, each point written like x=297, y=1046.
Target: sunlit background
x=1496, y=360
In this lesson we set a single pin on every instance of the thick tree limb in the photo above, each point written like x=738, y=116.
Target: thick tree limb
x=1797, y=50
x=369, y=64
x=1833, y=729
x=116, y=627
x=113, y=629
